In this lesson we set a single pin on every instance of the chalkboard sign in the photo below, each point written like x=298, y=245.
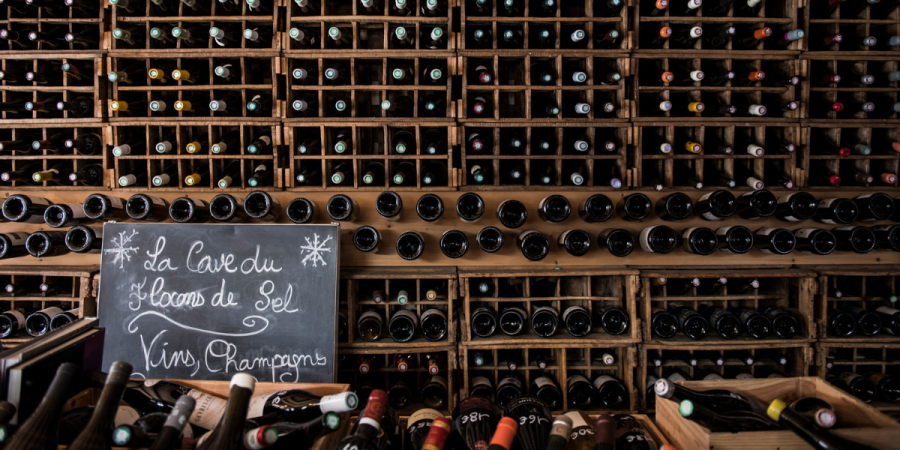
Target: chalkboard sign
x=208, y=301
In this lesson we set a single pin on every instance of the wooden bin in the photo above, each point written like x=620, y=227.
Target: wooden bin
x=355, y=294
x=72, y=287
x=597, y=166
x=562, y=362
x=789, y=289
x=88, y=26
x=593, y=290
x=781, y=16
x=799, y=359
x=515, y=95
x=368, y=83
x=46, y=159
x=867, y=288
x=87, y=80
x=372, y=144
x=251, y=76
x=650, y=90
x=856, y=421
x=681, y=169
x=869, y=21
x=861, y=358
x=385, y=373
x=818, y=95
x=147, y=15
x=179, y=163
x=370, y=32
x=820, y=159
x=571, y=15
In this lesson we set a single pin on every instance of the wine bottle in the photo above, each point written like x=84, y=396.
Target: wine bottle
x=342, y=208
x=146, y=207
x=815, y=241
x=98, y=431
x=610, y=393
x=103, y=207
x=735, y=239
x=700, y=240
x=84, y=239
x=261, y=206
x=410, y=245
x=776, y=241
x=534, y=416
x=554, y=209
x=42, y=244
x=40, y=430
x=476, y=419
x=854, y=239
x=872, y=207
x=533, y=244
x=658, y=239
x=24, y=208
x=470, y=207
x=389, y=205
x=807, y=429
x=227, y=208
x=674, y=207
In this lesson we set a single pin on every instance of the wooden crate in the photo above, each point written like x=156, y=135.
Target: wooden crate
x=89, y=26
x=355, y=294
x=515, y=97
x=788, y=289
x=72, y=285
x=799, y=358
x=597, y=165
x=370, y=32
x=861, y=358
x=680, y=169
x=780, y=15
x=152, y=163
x=820, y=159
x=593, y=290
x=856, y=421
x=252, y=76
x=147, y=16
x=369, y=83
x=848, y=19
x=818, y=95
x=587, y=15
x=384, y=372
x=650, y=90
x=45, y=159
x=562, y=362
x=372, y=143
x=90, y=84
x=861, y=283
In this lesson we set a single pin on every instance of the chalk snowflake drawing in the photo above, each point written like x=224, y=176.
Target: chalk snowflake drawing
x=121, y=251
x=315, y=249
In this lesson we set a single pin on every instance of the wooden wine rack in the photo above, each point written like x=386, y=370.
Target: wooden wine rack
x=849, y=91
x=72, y=287
x=798, y=361
x=824, y=161
x=859, y=357
x=88, y=80
x=86, y=24
x=17, y=160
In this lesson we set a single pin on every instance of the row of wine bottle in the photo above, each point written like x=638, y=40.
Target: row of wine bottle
x=79, y=106
x=36, y=322
x=50, y=38
x=339, y=73
x=402, y=8
x=725, y=410
x=49, y=73
x=158, y=414
x=402, y=393
x=853, y=320
x=728, y=324
x=545, y=320
x=403, y=325
x=867, y=386
x=606, y=392
x=258, y=105
x=169, y=8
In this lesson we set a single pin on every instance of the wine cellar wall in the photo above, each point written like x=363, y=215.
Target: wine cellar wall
x=571, y=201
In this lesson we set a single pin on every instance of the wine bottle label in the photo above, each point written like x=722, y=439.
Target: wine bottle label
x=713, y=377
x=408, y=313
x=744, y=376
x=644, y=239
x=481, y=381
x=126, y=415
x=765, y=231
x=208, y=410
x=543, y=381
x=863, y=196
x=685, y=239
x=887, y=310
x=804, y=233
x=38, y=201
x=371, y=315
x=77, y=210
x=116, y=202
x=422, y=418
x=562, y=237
x=677, y=377
x=437, y=379
x=577, y=420
x=509, y=381
x=572, y=309
x=575, y=378
x=603, y=379
x=20, y=318
x=51, y=312
x=786, y=199
x=156, y=200
x=198, y=203
x=17, y=238
x=432, y=312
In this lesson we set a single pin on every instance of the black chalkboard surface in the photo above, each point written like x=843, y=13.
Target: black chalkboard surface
x=208, y=301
